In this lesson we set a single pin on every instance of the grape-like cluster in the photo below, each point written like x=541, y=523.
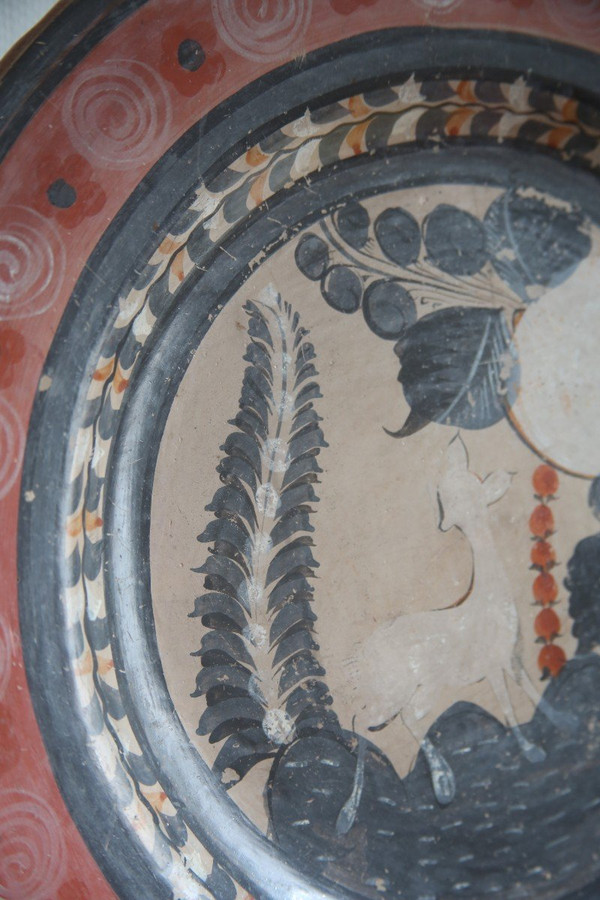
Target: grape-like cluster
x=387, y=305
x=452, y=359
x=532, y=243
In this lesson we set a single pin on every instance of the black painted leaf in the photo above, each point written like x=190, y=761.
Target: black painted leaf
x=258, y=356
x=398, y=235
x=220, y=884
x=299, y=496
x=294, y=557
x=225, y=530
x=455, y=240
x=288, y=590
x=301, y=666
x=298, y=642
x=352, y=222
x=306, y=441
x=235, y=469
x=232, y=575
x=297, y=520
x=220, y=611
x=454, y=363
x=534, y=243
x=248, y=421
x=583, y=584
x=388, y=309
x=306, y=417
x=307, y=696
x=258, y=327
x=342, y=289
x=241, y=752
x=230, y=647
x=312, y=256
x=291, y=617
x=245, y=446
x=305, y=396
x=175, y=828
x=227, y=717
x=231, y=676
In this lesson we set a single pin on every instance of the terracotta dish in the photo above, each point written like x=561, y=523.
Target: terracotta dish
x=300, y=451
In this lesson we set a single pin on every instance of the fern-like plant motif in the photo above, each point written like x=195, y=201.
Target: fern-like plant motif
x=260, y=676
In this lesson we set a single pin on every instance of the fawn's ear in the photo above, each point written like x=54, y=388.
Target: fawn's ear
x=496, y=485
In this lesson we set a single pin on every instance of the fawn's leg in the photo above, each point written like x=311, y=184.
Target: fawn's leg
x=529, y=750
x=565, y=721
x=442, y=776
x=347, y=814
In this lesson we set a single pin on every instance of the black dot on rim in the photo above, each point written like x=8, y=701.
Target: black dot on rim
x=61, y=194
x=190, y=55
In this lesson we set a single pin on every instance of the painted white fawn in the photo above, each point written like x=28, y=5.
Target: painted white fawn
x=399, y=669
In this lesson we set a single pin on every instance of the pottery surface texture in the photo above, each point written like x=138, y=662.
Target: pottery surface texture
x=300, y=451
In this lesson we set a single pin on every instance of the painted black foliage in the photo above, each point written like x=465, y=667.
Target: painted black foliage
x=455, y=240
x=583, y=584
x=454, y=367
x=533, y=244
x=514, y=829
x=260, y=677
x=456, y=360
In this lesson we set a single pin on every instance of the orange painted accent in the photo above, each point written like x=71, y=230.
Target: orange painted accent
x=545, y=481
x=74, y=527
x=92, y=521
x=557, y=136
x=255, y=156
x=355, y=136
x=85, y=665
x=169, y=246
x=541, y=521
x=543, y=555
x=457, y=120
x=120, y=382
x=517, y=316
x=177, y=267
x=103, y=373
x=358, y=107
x=552, y=659
x=545, y=589
x=569, y=111
x=464, y=90
x=104, y=665
x=256, y=191
x=547, y=625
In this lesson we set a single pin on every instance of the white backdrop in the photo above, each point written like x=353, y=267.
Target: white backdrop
x=17, y=17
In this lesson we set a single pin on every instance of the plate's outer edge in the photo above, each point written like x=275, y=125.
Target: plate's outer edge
x=34, y=774
x=466, y=47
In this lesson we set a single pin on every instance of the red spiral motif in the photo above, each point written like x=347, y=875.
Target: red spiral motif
x=5, y=656
x=32, y=262
x=262, y=29
x=118, y=113
x=12, y=441
x=32, y=854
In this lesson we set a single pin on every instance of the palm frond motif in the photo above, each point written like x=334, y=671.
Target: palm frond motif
x=260, y=677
